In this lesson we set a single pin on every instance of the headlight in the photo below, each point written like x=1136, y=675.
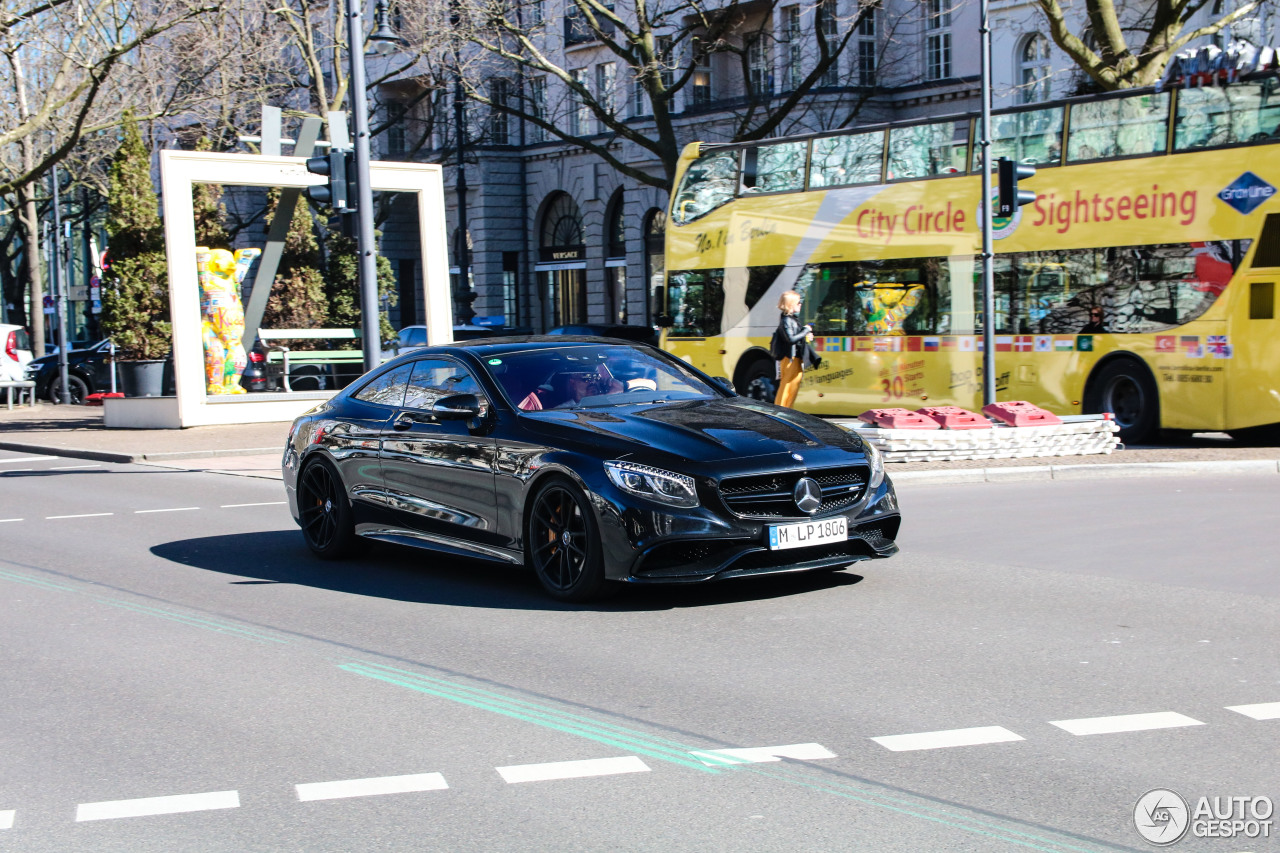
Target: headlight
x=665, y=487
x=876, y=460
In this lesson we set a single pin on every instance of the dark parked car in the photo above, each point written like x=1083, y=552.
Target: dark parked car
x=88, y=372
x=644, y=334
x=588, y=461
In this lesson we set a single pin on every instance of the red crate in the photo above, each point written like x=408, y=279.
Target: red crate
x=1021, y=413
x=96, y=399
x=954, y=417
x=898, y=419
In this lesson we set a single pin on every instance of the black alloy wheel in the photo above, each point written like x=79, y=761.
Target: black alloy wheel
x=325, y=513
x=760, y=381
x=1125, y=388
x=562, y=546
x=78, y=387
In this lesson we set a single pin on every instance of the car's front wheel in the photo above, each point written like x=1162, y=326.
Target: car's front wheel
x=562, y=544
x=324, y=511
x=78, y=387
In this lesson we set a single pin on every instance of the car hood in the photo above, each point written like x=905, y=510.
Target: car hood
x=714, y=432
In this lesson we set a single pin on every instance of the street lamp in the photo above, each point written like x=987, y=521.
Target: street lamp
x=382, y=43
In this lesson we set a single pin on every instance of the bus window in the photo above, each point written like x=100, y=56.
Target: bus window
x=924, y=150
x=1118, y=127
x=843, y=160
x=1242, y=112
x=710, y=181
x=695, y=302
x=829, y=301
x=1141, y=289
x=1033, y=137
x=779, y=167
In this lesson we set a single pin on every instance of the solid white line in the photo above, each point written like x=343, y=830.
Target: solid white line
x=941, y=740
x=1263, y=711
x=26, y=459
x=158, y=805
x=6, y=819
x=758, y=754
x=371, y=787
x=17, y=470
x=1126, y=723
x=572, y=769
x=264, y=503
x=171, y=509
x=72, y=467
x=85, y=515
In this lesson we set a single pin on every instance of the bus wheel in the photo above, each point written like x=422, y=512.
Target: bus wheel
x=759, y=381
x=1125, y=388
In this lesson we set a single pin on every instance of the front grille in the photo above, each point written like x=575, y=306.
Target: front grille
x=833, y=553
x=772, y=495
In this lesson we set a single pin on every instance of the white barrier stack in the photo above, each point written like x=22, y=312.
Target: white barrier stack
x=1077, y=435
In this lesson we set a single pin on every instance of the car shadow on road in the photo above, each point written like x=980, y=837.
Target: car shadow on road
x=405, y=574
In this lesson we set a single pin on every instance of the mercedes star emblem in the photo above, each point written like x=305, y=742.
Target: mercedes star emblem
x=808, y=495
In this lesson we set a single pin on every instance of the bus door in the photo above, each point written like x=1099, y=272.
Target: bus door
x=1254, y=353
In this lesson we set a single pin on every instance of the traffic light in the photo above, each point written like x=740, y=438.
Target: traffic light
x=1011, y=198
x=339, y=167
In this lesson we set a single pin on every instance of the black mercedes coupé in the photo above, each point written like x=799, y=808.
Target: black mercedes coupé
x=588, y=460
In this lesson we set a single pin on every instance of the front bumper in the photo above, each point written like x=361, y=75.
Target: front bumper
x=691, y=546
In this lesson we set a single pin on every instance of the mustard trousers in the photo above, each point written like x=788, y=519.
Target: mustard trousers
x=790, y=372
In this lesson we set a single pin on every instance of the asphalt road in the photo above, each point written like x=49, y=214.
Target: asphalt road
x=176, y=673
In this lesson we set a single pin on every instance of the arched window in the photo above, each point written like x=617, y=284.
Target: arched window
x=655, y=229
x=562, y=263
x=1033, y=69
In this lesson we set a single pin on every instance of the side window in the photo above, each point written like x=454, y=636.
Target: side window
x=436, y=378
x=695, y=300
x=387, y=389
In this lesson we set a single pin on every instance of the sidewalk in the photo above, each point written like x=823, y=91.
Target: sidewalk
x=255, y=450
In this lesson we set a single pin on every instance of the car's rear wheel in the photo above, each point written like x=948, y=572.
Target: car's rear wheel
x=562, y=545
x=324, y=511
x=760, y=381
x=78, y=387
x=1125, y=388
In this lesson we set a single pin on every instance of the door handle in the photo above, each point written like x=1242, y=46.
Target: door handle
x=403, y=422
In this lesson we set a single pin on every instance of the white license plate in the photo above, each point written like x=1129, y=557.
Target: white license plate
x=807, y=533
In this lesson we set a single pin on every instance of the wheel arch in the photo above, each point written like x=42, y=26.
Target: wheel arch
x=746, y=361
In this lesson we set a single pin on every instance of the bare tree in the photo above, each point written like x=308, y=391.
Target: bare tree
x=1123, y=46
x=661, y=53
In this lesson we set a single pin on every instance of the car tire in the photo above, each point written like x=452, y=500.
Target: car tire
x=562, y=543
x=1124, y=387
x=760, y=381
x=78, y=387
x=324, y=512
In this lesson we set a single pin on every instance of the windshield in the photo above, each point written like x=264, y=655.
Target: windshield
x=593, y=376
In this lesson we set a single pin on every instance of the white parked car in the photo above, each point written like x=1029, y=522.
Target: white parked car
x=15, y=352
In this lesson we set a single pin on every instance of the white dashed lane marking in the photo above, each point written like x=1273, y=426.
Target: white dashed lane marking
x=1125, y=723
x=6, y=819
x=170, y=509
x=572, y=769
x=945, y=739
x=1263, y=711
x=3, y=520
x=16, y=470
x=759, y=754
x=264, y=503
x=371, y=787
x=158, y=805
x=26, y=459
x=82, y=515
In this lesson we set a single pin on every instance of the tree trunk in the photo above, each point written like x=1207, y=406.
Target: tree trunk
x=30, y=218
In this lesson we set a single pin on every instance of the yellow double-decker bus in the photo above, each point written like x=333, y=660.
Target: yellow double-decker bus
x=1142, y=280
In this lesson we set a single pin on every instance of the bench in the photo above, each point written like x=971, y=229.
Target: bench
x=23, y=387
x=281, y=361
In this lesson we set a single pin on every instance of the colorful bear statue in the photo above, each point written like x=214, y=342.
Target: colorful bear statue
x=222, y=316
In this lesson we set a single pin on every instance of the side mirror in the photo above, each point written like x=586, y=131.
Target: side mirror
x=725, y=385
x=664, y=321
x=457, y=407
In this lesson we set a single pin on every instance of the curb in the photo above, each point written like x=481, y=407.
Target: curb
x=1118, y=470
x=126, y=458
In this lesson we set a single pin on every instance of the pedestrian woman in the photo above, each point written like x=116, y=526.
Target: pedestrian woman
x=791, y=349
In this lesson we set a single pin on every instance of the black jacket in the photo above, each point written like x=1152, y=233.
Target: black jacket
x=789, y=342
